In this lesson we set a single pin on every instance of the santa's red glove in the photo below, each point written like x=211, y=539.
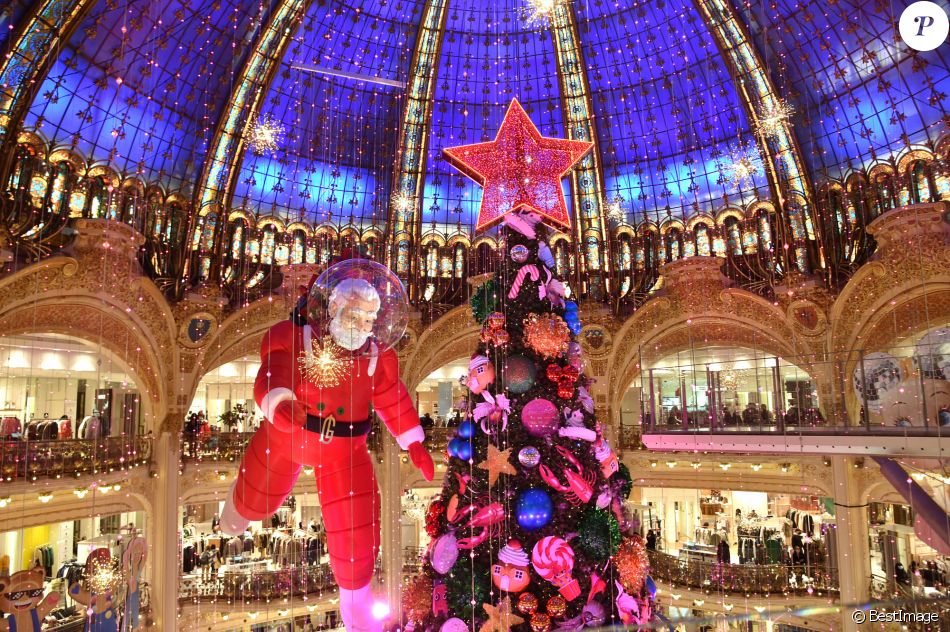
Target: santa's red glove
x=422, y=460
x=289, y=414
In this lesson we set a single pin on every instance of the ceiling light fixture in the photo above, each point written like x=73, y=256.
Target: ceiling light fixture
x=541, y=12
x=266, y=134
x=743, y=164
x=615, y=209
x=774, y=117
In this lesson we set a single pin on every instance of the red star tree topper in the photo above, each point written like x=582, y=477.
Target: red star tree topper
x=519, y=169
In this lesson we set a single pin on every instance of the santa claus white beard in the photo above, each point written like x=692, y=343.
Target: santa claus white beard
x=347, y=337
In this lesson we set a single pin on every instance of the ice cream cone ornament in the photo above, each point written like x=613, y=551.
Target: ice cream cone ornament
x=609, y=463
x=510, y=573
x=481, y=374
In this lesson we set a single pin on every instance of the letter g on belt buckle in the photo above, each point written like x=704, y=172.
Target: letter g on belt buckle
x=328, y=429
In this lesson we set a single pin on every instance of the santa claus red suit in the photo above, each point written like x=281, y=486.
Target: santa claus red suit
x=324, y=425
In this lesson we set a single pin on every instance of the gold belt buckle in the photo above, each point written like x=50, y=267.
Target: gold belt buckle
x=328, y=429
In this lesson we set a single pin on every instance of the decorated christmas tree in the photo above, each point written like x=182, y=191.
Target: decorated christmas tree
x=529, y=531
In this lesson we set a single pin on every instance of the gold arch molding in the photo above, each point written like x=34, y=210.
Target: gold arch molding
x=30, y=512
x=455, y=335
x=76, y=318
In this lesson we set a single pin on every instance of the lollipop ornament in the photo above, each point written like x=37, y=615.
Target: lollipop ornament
x=553, y=560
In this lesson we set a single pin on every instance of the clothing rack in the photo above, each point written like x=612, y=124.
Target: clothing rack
x=43, y=557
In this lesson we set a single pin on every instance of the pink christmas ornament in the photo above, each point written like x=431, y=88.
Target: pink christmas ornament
x=540, y=417
x=529, y=270
x=553, y=559
x=445, y=552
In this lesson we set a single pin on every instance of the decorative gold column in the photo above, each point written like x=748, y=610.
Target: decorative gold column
x=587, y=181
x=388, y=473
x=851, y=539
x=163, y=526
x=405, y=219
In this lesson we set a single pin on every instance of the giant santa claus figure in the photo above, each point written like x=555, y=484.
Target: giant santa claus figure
x=319, y=374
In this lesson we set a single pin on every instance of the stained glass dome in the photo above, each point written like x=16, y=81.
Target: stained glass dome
x=143, y=86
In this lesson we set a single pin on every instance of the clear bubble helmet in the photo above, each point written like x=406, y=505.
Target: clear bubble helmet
x=358, y=300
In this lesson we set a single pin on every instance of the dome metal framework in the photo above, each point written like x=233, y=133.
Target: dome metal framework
x=768, y=134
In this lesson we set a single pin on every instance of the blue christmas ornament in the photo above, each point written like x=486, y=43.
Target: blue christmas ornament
x=466, y=429
x=534, y=509
x=651, y=586
x=464, y=450
x=571, y=317
x=453, y=447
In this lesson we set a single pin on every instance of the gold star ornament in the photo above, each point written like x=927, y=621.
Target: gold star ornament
x=497, y=463
x=500, y=617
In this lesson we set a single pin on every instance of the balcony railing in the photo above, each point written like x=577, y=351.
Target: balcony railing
x=902, y=391
x=217, y=446
x=230, y=446
x=758, y=579
x=260, y=585
x=71, y=458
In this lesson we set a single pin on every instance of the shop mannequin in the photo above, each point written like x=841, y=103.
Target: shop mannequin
x=65, y=427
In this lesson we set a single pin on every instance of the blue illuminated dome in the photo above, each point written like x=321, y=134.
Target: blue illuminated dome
x=357, y=100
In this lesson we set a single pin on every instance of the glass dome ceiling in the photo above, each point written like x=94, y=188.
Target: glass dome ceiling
x=143, y=86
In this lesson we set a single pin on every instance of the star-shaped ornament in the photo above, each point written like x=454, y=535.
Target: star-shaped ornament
x=497, y=463
x=520, y=169
x=500, y=617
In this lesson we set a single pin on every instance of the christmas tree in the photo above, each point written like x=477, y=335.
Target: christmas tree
x=527, y=533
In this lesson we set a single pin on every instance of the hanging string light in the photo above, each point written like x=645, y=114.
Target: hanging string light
x=266, y=134
x=774, y=117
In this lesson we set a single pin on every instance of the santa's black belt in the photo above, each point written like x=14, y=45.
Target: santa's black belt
x=329, y=427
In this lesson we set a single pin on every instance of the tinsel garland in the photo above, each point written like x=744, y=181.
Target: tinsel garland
x=598, y=534
x=417, y=597
x=484, y=300
x=624, y=481
x=466, y=584
x=632, y=564
x=435, y=519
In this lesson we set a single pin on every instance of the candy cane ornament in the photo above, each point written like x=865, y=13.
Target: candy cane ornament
x=525, y=271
